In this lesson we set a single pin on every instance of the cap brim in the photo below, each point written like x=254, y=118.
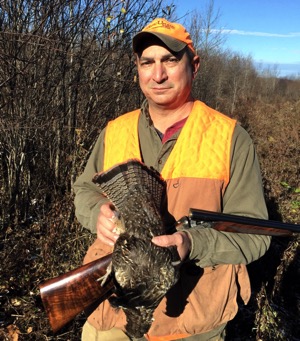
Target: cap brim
x=173, y=44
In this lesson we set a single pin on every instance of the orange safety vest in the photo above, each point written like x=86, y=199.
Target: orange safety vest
x=197, y=172
x=200, y=150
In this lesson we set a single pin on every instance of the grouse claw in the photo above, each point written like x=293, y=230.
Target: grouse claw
x=104, y=278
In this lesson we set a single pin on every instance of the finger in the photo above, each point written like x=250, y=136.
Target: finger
x=179, y=239
x=106, y=236
x=106, y=225
x=107, y=210
x=164, y=240
x=107, y=228
x=106, y=240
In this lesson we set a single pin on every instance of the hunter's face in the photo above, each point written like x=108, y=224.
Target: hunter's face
x=166, y=78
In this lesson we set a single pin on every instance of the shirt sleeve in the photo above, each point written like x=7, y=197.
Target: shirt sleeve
x=88, y=197
x=243, y=196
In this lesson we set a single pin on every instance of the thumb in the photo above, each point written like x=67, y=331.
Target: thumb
x=162, y=241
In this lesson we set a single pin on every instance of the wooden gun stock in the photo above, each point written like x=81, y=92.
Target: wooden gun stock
x=67, y=295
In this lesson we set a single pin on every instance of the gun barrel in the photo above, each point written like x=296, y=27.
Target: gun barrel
x=241, y=224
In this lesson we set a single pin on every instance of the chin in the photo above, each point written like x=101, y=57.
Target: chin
x=162, y=101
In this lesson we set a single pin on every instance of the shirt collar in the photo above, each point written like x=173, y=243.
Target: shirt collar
x=170, y=131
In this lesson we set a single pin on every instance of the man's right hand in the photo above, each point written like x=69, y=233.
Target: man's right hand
x=106, y=226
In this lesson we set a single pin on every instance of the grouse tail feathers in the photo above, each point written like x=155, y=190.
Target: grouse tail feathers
x=125, y=177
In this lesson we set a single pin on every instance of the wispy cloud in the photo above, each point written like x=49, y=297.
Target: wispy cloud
x=258, y=34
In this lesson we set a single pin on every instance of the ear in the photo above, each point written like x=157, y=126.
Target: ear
x=195, y=65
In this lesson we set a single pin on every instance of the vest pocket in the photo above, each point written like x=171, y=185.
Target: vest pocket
x=212, y=302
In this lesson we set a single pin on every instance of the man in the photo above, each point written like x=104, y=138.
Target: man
x=209, y=162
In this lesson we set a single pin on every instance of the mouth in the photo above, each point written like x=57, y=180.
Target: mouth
x=160, y=89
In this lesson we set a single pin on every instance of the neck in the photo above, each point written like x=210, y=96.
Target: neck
x=163, y=118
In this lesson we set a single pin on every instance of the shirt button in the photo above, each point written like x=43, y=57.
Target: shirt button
x=160, y=161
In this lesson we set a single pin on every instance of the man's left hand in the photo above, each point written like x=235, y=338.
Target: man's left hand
x=180, y=239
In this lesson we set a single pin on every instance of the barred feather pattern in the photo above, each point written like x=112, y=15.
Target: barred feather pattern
x=142, y=271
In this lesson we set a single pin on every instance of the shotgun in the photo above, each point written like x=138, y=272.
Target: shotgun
x=67, y=295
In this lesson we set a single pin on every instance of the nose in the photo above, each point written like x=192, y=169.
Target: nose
x=159, y=73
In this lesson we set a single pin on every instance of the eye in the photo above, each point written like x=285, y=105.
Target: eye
x=171, y=61
x=145, y=63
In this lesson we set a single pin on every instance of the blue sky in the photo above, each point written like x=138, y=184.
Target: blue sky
x=267, y=30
